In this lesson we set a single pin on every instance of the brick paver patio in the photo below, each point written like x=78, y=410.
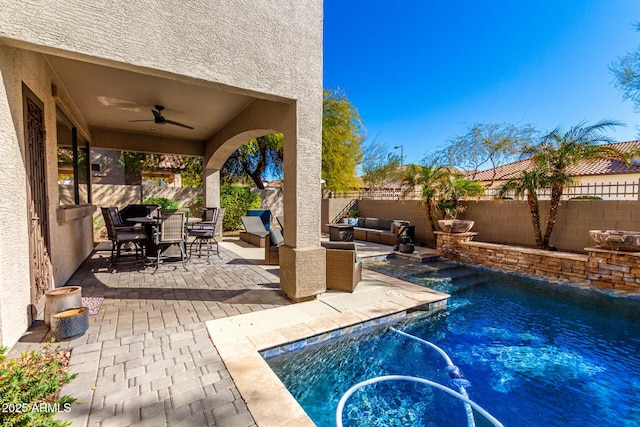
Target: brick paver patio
x=147, y=358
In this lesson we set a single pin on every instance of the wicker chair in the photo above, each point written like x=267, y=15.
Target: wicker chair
x=171, y=232
x=120, y=236
x=344, y=269
x=272, y=247
x=205, y=234
x=209, y=216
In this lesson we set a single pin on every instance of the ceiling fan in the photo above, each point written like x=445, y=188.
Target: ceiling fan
x=159, y=119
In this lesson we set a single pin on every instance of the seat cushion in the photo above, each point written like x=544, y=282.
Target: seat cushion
x=384, y=224
x=276, y=238
x=129, y=236
x=371, y=223
x=202, y=234
x=349, y=246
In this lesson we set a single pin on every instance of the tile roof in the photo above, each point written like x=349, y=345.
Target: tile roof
x=585, y=168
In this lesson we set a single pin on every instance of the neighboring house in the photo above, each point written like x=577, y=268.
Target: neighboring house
x=608, y=179
x=82, y=76
x=107, y=169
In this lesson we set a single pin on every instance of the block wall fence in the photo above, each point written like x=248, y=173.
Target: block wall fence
x=509, y=222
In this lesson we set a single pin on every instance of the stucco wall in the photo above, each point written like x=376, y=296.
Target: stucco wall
x=14, y=242
x=68, y=243
x=267, y=47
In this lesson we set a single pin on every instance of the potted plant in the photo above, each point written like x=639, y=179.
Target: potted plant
x=455, y=188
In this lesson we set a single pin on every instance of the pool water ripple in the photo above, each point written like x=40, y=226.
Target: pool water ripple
x=535, y=354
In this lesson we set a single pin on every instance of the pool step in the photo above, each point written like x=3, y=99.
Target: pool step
x=452, y=280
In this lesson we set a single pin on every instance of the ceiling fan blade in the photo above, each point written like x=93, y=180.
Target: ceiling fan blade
x=171, y=122
x=131, y=121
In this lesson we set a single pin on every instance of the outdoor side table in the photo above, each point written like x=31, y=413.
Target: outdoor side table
x=340, y=232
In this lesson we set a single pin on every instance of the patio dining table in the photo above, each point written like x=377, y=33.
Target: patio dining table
x=150, y=223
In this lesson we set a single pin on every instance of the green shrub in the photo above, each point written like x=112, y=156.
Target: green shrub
x=237, y=201
x=163, y=202
x=30, y=385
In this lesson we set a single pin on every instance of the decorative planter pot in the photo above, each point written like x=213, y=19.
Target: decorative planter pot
x=60, y=299
x=628, y=241
x=70, y=323
x=406, y=248
x=455, y=225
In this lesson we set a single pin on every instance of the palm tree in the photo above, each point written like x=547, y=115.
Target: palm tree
x=453, y=189
x=429, y=177
x=442, y=189
x=527, y=184
x=553, y=160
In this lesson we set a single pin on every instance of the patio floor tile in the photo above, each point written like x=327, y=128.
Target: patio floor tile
x=147, y=356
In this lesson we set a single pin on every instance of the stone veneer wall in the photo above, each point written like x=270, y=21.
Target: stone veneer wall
x=602, y=268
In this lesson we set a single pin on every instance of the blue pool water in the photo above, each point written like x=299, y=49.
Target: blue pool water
x=536, y=355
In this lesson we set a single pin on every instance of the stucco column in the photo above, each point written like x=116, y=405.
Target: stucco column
x=302, y=259
x=211, y=183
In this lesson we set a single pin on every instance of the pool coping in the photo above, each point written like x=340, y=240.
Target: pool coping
x=240, y=339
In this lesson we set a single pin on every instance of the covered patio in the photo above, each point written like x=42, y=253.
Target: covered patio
x=197, y=81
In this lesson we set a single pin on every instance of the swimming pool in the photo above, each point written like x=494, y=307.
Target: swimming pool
x=536, y=354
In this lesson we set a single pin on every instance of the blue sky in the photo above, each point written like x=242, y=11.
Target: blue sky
x=419, y=71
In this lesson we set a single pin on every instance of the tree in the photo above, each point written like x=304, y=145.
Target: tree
x=133, y=163
x=254, y=158
x=626, y=71
x=487, y=146
x=527, y=184
x=342, y=136
x=192, y=172
x=442, y=188
x=454, y=188
x=379, y=167
x=552, y=160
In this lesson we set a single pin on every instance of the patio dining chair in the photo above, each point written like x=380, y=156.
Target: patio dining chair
x=171, y=232
x=205, y=235
x=209, y=215
x=116, y=219
x=123, y=236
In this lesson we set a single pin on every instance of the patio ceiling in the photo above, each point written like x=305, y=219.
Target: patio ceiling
x=109, y=98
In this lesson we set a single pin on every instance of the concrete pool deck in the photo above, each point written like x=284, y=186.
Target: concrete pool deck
x=239, y=339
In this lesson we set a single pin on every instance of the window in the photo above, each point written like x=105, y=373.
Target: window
x=74, y=182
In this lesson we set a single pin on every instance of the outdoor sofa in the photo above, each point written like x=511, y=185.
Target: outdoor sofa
x=385, y=231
